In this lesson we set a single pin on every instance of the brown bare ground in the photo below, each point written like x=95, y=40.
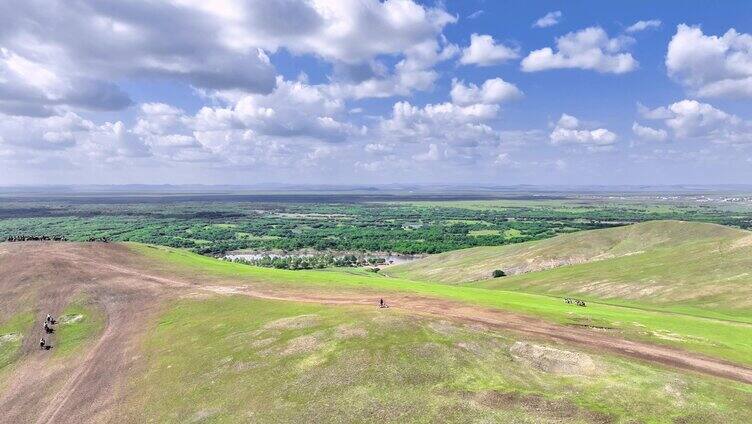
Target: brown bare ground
x=43, y=388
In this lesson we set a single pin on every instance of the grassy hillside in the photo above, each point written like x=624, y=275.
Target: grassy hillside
x=151, y=334
x=659, y=262
x=710, y=332
x=234, y=359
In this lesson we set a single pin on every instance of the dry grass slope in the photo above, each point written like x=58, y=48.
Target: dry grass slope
x=662, y=262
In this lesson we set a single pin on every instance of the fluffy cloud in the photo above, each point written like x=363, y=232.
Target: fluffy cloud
x=709, y=65
x=459, y=132
x=43, y=133
x=93, y=43
x=493, y=91
x=414, y=72
x=31, y=88
x=431, y=155
x=355, y=35
x=648, y=133
x=446, y=133
x=643, y=25
x=350, y=32
x=693, y=120
x=294, y=109
x=294, y=120
x=57, y=53
x=549, y=19
x=112, y=142
x=568, y=130
x=485, y=51
x=67, y=139
x=443, y=122
x=590, y=49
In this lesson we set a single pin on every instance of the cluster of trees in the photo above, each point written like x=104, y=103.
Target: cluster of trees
x=219, y=226
x=498, y=273
x=311, y=262
x=34, y=238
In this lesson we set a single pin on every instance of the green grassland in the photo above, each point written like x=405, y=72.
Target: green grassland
x=79, y=322
x=669, y=263
x=474, y=264
x=11, y=337
x=715, y=333
x=236, y=359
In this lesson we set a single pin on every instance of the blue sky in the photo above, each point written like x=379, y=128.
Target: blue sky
x=325, y=91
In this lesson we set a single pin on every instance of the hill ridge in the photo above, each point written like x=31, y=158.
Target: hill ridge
x=656, y=261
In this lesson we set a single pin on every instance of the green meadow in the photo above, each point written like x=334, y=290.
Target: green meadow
x=11, y=337
x=79, y=322
x=237, y=359
x=712, y=333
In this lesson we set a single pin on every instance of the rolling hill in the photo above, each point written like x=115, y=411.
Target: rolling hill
x=152, y=334
x=658, y=262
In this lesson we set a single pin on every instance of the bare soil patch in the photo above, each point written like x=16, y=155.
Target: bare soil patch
x=548, y=410
x=553, y=360
x=293, y=323
x=302, y=344
x=347, y=331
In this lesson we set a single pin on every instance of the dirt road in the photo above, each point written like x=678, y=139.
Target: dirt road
x=46, y=389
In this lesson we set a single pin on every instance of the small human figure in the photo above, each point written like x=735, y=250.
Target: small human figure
x=47, y=328
x=48, y=319
x=42, y=344
x=381, y=303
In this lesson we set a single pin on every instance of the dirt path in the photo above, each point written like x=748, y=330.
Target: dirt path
x=46, y=387
x=49, y=414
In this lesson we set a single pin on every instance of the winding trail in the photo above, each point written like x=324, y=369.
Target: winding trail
x=56, y=403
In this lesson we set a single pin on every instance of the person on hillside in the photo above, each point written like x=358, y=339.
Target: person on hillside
x=42, y=343
x=381, y=303
x=49, y=319
x=47, y=328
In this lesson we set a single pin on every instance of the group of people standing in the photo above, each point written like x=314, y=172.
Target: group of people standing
x=48, y=323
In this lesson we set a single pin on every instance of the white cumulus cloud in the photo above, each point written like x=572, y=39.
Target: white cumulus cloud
x=589, y=49
x=648, y=133
x=549, y=19
x=568, y=130
x=694, y=120
x=485, y=51
x=710, y=65
x=492, y=91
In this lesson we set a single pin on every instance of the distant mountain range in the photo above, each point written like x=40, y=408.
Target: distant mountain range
x=365, y=189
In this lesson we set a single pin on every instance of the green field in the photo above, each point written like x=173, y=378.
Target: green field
x=78, y=324
x=714, y=333
x=11, y=337
x=668, y=263
x=237, y=359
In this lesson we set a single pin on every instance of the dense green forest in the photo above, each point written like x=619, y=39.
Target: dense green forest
x=216, y=226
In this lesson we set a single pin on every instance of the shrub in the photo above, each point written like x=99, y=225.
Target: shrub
x=498, y=273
